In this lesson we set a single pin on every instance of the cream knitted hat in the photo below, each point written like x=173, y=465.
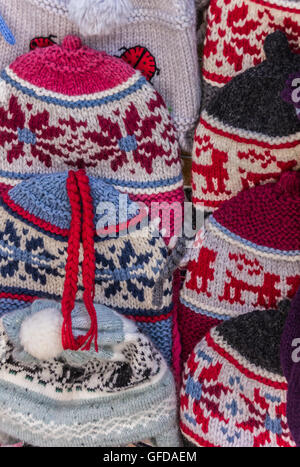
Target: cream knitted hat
x=151, y=34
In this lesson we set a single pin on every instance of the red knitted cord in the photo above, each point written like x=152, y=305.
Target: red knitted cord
x=89, y=261
x=72, y=266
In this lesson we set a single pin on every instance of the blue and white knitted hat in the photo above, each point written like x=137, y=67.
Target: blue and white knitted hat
x=53, y=397
x=51, y=247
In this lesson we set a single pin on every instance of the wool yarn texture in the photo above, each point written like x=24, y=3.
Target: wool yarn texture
x=235, y=34
x=234, y=392
x=148, y=35
x=53, y=246
x=289, y=356
x=249, y=258
x=249, y=133
x=112, y=397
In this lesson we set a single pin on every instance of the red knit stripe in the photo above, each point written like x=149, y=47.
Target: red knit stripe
x=240, y=139
x=216, y=78
x=198, y=439
x=206, y=202
x=31, y=218
x=24, y=298
x=241, y=368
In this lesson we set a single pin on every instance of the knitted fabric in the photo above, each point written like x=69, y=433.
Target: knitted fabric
x=249, y=258
x=69, y=106
x=86, y=398
x=289, y=356
x=233, y=392
x=235, y=33
x=248, y=134
x=44, y=253
x=160, y=30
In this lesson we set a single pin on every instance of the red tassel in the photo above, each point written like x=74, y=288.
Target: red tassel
x=81, y=227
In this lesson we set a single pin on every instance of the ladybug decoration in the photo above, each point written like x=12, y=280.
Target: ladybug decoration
x=41, y=42
x=141, y=59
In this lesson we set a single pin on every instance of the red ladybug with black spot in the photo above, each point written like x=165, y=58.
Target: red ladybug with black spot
x=141, y=59
x=42, y=42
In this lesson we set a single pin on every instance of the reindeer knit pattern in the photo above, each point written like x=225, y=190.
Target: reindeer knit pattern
x=166, y=28
x=84, y=398
x=249, y=258
x=248, y=134
x=235, y=33
x=233, y=392
x=42, y=250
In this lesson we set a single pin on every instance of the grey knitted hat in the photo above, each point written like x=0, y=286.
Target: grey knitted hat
x=50, y=397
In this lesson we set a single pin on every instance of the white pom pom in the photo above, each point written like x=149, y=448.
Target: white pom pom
x=40, y=334
x=99, y=16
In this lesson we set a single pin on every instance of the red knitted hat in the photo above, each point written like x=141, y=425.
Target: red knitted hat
x=249, y=258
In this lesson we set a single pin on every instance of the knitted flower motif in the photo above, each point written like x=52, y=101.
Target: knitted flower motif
x=18, y=130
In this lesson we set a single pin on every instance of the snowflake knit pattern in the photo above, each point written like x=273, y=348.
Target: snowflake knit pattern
x=248, y=134
x=165, y=28
x=249, y=258
x=233, y=392
x=235, y=33
x=49, y=249
x=120, y=395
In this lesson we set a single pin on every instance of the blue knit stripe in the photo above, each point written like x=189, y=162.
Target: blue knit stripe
x=11, y=304
x=113, y=181
x=201, y=311
x=161, y=335
x=79, y=104
x=251, y=244
x=6, y=32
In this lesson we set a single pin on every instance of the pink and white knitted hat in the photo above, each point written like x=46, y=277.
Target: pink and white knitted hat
x=235, y=33
x=249, y=258
x=146, y=34
x=70, y=106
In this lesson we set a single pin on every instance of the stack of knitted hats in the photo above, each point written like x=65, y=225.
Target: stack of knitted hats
x=147, y=35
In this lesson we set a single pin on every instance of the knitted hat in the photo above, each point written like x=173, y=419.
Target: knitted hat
x=49, y=243
x=234, y=392
x=52, y=397
x=69, y=106
x=248, y=134
x=235, y=33
x=289, y=356
x=249, y=258
x=148, y=35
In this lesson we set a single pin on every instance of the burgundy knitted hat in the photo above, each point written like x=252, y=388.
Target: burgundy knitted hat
x=69, y=106
x=249, y=258
x=290, y=362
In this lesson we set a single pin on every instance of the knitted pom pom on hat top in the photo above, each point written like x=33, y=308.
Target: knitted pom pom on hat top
x=148, y=35
x=289, y=356
x=249, y=258
x=235, y=33
x=68, y=236
x=69, y=106
x=121, y=394
x=233, y=392
x=248, y=134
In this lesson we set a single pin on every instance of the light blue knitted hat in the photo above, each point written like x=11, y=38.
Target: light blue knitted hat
x=53, y=397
